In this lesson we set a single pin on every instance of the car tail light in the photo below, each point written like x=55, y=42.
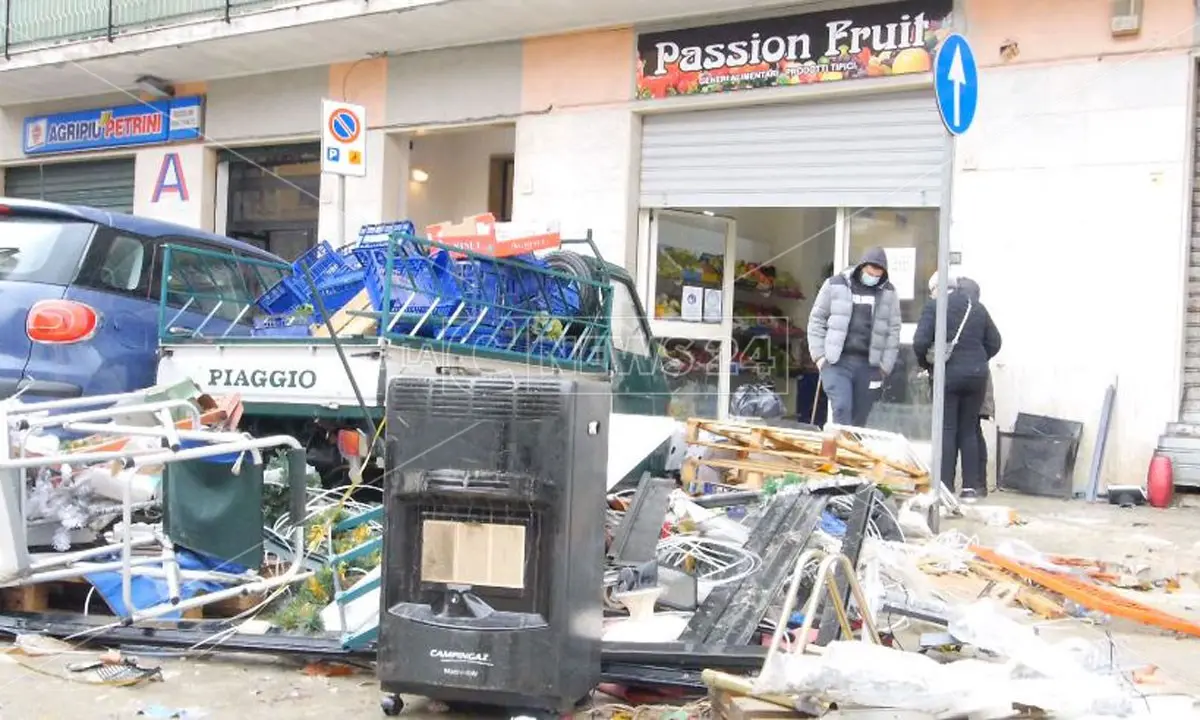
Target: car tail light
x=61, y=321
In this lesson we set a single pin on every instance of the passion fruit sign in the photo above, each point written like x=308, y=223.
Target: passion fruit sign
x=873, y=41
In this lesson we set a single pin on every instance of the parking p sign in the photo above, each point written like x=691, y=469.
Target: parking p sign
x=343, y=138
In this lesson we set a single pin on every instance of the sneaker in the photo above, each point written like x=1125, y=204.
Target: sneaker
x=967, y=494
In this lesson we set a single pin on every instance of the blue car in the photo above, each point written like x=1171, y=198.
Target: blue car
x=80, y=290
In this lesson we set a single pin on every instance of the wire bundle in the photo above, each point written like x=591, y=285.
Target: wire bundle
x=715, y=562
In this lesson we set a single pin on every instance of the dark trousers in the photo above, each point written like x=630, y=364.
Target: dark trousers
x=848, y=385
x=961, y=433
x=983, y=451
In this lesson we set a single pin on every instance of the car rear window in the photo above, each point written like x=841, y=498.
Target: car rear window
x=42, y=250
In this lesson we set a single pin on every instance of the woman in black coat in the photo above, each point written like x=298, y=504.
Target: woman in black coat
x=972, y=340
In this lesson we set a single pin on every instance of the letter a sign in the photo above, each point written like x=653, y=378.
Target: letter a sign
x=170, y=178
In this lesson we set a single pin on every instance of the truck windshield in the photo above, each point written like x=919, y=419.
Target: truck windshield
x=41, y=250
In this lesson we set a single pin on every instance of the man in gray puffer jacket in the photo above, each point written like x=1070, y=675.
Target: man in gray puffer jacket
x=854, y=336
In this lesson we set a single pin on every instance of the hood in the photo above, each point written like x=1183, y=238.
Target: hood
x=969, y=287
x=873, y=256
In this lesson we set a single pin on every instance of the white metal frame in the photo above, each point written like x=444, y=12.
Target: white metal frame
x=19, y=422
x=647, y=277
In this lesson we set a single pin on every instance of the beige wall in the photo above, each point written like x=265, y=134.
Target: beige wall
x=188, y=176
x=577, y=143
x=1061, y=30
x=1077, y=164
x=579, y=70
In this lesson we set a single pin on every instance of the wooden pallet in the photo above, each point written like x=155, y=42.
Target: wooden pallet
x=764, y=452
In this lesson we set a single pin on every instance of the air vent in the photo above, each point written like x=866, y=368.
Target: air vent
x=479, y=398
x=1126, y=18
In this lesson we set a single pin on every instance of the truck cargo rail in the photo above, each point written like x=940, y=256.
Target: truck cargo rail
x=395, y=289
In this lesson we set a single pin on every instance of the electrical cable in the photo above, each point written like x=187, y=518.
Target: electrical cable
x=712, y=561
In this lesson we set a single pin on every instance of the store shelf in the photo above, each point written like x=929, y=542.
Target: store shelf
x=740, y=292
x=685, y=330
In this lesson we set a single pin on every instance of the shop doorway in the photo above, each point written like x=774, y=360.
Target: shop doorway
x=273, y=197
x=732, y=288
x=460, y=172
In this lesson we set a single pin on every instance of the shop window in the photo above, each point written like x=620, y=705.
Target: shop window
x=693, y=370
x=689, y=262
x=910, y=238
x=500, y=186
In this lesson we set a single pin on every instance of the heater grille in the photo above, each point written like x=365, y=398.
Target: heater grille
x=478, y=398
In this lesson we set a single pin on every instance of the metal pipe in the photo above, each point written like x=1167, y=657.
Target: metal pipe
x=82, y=569
x=82, y=555
x=171, y=567
x=14, y=409
x=109, y=33
x=168, y=426
x=8, y=28
x=148, y=408
x=155, y=457
x=141, y=431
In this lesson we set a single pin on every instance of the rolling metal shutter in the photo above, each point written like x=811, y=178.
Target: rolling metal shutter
x=1189, y=409
x=105, y=184
x=877, y=151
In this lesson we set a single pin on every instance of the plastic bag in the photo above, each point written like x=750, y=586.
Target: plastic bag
x=757, y=400
x=868, y=675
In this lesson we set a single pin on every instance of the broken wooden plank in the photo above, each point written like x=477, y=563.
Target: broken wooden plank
x=1092, y=597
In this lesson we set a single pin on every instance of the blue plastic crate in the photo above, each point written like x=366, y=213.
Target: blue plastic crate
x=283, y=297
x=279, y=326
x=338, y=290
x=417, y=284
x=321, y=261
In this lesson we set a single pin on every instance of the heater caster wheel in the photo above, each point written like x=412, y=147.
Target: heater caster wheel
x=392, y=705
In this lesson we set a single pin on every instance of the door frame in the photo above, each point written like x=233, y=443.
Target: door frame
x=647, y=275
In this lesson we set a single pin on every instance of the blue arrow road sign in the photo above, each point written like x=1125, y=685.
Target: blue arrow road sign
x=956, y=82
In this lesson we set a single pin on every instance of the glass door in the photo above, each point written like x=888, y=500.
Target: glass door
x=909, y=237
x=688, y=281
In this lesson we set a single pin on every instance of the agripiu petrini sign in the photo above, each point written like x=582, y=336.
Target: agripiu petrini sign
x=873, y=41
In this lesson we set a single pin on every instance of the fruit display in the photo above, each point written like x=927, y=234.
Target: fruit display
x=751, y=319
x=684, y=266
x=767, y=279
x=667, y=307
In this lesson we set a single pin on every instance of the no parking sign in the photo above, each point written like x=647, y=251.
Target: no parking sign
x=343, y=138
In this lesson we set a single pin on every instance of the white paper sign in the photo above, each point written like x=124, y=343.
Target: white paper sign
x=902, y=271
x=691, y=303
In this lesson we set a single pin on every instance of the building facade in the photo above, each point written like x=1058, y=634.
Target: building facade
x=730, y=160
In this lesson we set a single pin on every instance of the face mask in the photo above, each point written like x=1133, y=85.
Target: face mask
x=869, y=280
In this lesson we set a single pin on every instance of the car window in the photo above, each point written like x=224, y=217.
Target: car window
x=124, y=264
x=628, y=331
x=260, y=276
x=209, y=278
x=40, y=250
x=118, y=262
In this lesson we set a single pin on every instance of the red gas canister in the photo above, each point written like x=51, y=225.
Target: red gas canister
x=1160, y=482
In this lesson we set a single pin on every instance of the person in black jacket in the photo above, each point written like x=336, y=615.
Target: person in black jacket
x=971, y=289
x=972, y=340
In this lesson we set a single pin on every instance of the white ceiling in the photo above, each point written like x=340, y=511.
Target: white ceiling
x=214, y=50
